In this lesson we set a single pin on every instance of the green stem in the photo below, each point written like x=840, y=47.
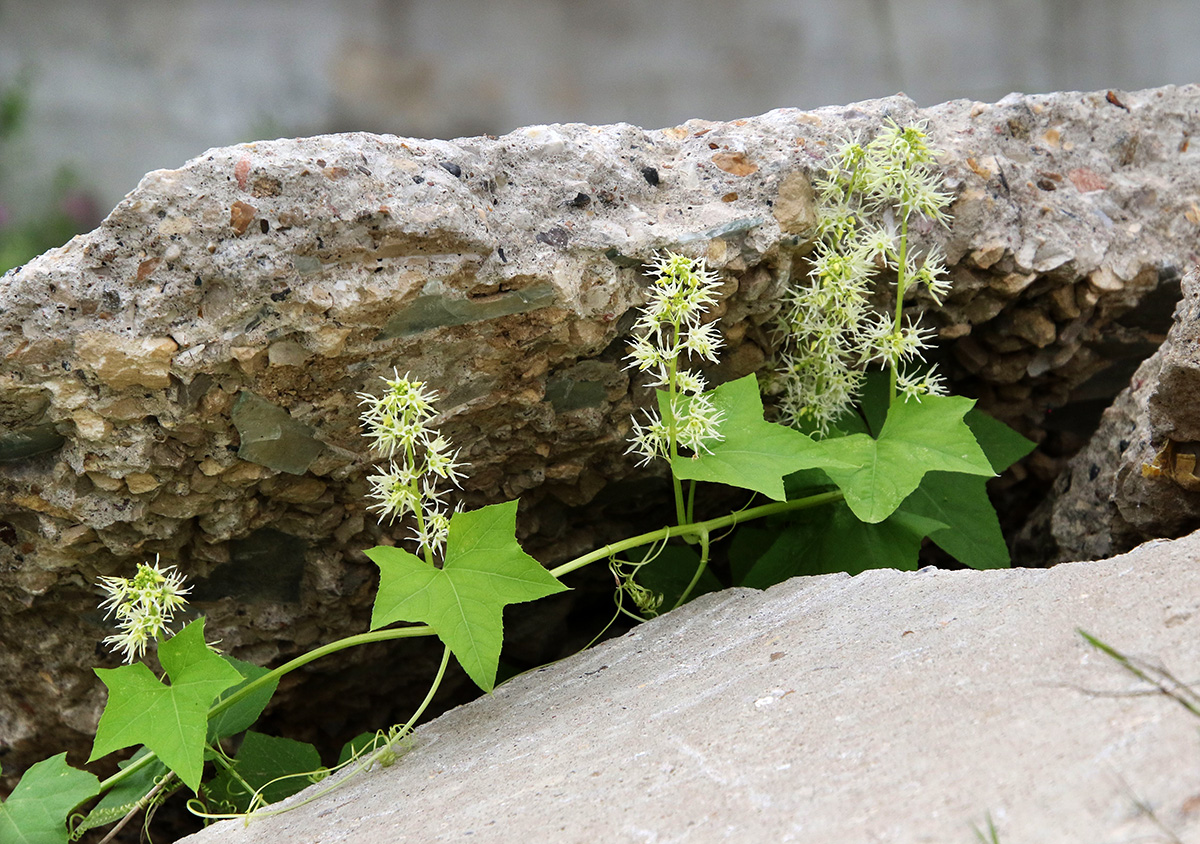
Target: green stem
x=697, y=528
x=437, y=682
x=901, y=284
x=325, y=650
x=699, y=570
x=138, y=807
x=673, y=427
x=393, y=737
x=419, y=510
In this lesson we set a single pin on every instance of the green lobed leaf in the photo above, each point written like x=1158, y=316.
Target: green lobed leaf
x=972, y=534
x=867, y=417
x=753, y=454
x=748, y=545
x=485, y=570
x=37, y=810
x=246, y=711
x=121, y=798
x=917, y=437
x=260, y=760
x=170, y=720
x=1002, y=445
x=839, y=542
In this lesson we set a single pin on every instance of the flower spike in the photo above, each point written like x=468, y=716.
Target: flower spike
x=398, y=424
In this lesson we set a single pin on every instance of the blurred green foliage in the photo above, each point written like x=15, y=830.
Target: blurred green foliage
x=69, y=209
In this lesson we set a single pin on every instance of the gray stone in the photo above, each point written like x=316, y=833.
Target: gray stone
x=300, y=271
x=1138, y=476
x=892, y=706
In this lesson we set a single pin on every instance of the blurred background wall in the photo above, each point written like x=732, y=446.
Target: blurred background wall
x=115, y=88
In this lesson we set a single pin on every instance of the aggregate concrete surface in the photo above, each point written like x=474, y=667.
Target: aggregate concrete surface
x=888, y=707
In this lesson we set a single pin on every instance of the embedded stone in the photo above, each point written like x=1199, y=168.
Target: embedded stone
x=123, y=362
x=1033, y=326
x=90, y=425
x=139, y=482
x=1013, y=284
x=29, y=442
x=1106, y=280
x=286, y=353
x=430, y=311
x=271, y=437
x=795, y=207
x=302, y=490
x=1062, y=303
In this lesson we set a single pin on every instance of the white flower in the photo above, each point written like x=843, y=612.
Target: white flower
x=144, y=606
x=704, y=341
x=418, y=458
x=915, y=386
x=441, y=461
x=690, y=383
x=697, y=423
x=431, y=531
x=670, y=329
x=395, y=492
x=866, y=199
x=650, y=439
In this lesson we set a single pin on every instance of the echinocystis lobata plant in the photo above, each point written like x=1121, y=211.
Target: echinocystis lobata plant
x=870, y=476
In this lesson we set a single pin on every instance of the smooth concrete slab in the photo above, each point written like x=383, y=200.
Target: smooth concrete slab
x=887, y=707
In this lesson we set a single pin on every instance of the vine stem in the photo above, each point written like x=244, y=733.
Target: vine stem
x=673, y=424
x=683, y=596
x=701, y=529
x=901, y=284
x=437, y=682
x=697, y=528
x=393, y=737
x=139, y=806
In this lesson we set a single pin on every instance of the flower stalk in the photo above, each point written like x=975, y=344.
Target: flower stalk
x=419, y=459
x=867, y=200
x=671, y=330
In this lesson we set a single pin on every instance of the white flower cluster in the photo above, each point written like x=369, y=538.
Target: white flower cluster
x=418, y=460
x=866, y=198
x=144, y=606
x=669, y=330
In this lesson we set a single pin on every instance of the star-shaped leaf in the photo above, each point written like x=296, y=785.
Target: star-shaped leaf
x=170, y=720
x=246, y=711
x=36, y=811
x=917, y=437
x=1002, y=445
x=463, y=601
x=972, y=535
x=753, y=454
